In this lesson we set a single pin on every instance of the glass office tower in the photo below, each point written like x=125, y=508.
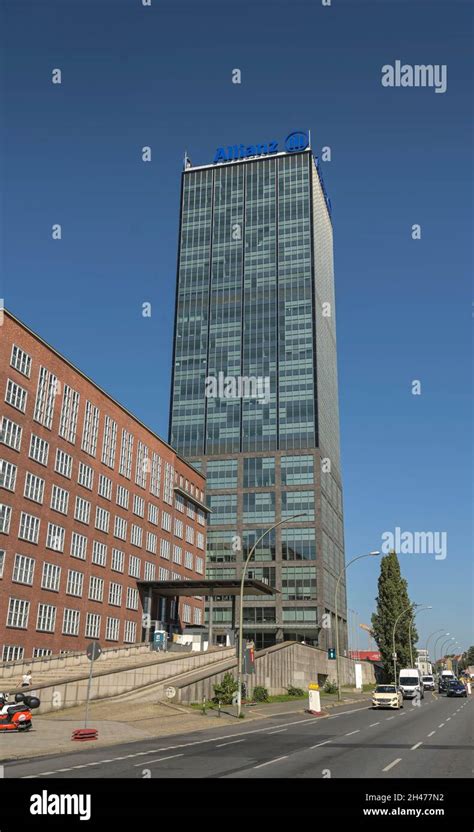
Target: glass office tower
x=254, y=389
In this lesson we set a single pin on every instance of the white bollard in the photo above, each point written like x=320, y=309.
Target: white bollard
x=314, y=706
x=469, y=688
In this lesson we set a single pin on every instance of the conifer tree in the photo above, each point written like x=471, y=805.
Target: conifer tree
x=391, y=600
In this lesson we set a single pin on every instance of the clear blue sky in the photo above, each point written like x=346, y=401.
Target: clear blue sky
x=161, y=76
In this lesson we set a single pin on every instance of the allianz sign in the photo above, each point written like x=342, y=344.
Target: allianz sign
x=296, y=141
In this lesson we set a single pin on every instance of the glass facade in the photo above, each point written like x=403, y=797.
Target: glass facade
x=254, y=393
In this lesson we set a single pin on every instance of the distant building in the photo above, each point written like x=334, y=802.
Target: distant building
x=365, y=655
x=91, y=501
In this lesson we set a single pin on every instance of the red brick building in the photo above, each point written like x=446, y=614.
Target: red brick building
x=91, y=502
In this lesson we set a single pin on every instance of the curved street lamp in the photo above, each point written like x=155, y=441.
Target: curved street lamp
x=443, y=646
x=428, y=640
x=394, y=652
x=409, y=632
x=241, y=605
x=342, y=572
x=436, y=644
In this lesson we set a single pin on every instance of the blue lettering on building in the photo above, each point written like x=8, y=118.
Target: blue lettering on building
x=296, y=141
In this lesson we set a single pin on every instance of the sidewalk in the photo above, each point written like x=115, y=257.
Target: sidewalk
x=116, y=723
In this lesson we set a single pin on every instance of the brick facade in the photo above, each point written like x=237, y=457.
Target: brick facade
x=90, y=438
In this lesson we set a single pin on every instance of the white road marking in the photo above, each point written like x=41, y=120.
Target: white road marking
x=320, y=743
x=280, y=731
x=390, y=717
x=440, y=726
x=414, y=747
x=353, y=732
x=448, y=719
x=233, y=742
x=391, y=765
x=374, y=724
x=276, y=760
x=433, y=732
x=343, y=713
x=158, y=760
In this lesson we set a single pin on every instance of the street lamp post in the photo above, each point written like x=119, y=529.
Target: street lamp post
x=394, y=653
x=342, y=572
x=428, y=640
x=436, y=644
x=443, y=646
x=241, y=605
x=409, y=633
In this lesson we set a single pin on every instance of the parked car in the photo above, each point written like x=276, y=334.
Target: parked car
x=428, y=682
x=456, y=689
x=387, y=696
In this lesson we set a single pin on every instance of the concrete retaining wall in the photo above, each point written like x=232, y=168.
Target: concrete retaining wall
x=55, y=664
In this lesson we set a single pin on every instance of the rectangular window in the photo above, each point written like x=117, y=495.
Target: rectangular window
x=59, y=499
x=75, y=583
x=8, y=473
x=190, y=510
x=16, y=396
x=69, y=414
x=189, y=534
x=10, y=433
x=166, y=521
x=151, y=542
x=118, y=560
x=39, y=449
x=298, y=544
x=199, y=565
x=165, y=548
x=155, y=475
x=197, y=615
x=112, y=629
x=85, y=476
x=132, y=598
x=142, y=464
x=41, y=652
x=78, y=545
x=55, y=537
x=200, y=541
x=12, y=653
x=259, y=507
x=71, y=620
x=105, y=487
x=178, y=528
x=168, y=484
x=179, y=503
x=299, y=583
x=163, y=574
x=120, y=528
x=126, y=450
x=46, y=619
x=109, y=444
x=3, y=555
x=63, y=463
x=21, y=361
x=96, y=588
x=51, y=577
x=122, y=496
x=93, y=625
x=134, y=565
x=5, y=518
x=18, y=612
x=153, y=514
x=130, y=632
x=99, y=553
x=45, y=398
x=296, y=502
x=138, y=506
x=34, y=488
x=201, y=517
x=115, y=594
x=23, y=570
x=82, y=510
x=306, y=615
x=189, y=560
x=90, y=429
x=29, y=527
x=297, y=470
x=221, y=473
x=150, y=571
x=102, y=519
x=187, y=613
x=177, y=554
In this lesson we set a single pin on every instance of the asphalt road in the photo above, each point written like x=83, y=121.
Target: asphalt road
x=432, y=740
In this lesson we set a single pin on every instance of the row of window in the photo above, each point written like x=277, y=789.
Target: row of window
x=29, y=529
x=19, y=612
x=266, y=615
x=259, y=472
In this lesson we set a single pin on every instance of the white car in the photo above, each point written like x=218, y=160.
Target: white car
x=387, y=696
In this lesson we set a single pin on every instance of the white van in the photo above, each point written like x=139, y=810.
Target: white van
x=410, y=683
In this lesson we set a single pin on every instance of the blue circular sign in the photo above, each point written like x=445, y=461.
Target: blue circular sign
x=296, y=141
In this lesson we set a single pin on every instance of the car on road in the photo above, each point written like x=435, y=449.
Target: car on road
x=410, y=683
x=456, y=689
x=428, y=682
x=387, y=696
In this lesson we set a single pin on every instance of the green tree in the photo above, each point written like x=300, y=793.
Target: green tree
x=391, y=600
x=467, y=658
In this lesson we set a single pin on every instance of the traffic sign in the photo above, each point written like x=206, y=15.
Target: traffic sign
x=93, y=651
x=170, y=692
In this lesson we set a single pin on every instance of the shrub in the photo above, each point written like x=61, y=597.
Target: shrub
x=224, y=691
x=330, y=686
x=260, y=694
x=292, y=691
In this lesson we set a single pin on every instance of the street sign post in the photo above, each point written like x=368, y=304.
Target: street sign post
x=93, y=652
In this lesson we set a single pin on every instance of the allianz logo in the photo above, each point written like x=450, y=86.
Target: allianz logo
x=296, y=141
